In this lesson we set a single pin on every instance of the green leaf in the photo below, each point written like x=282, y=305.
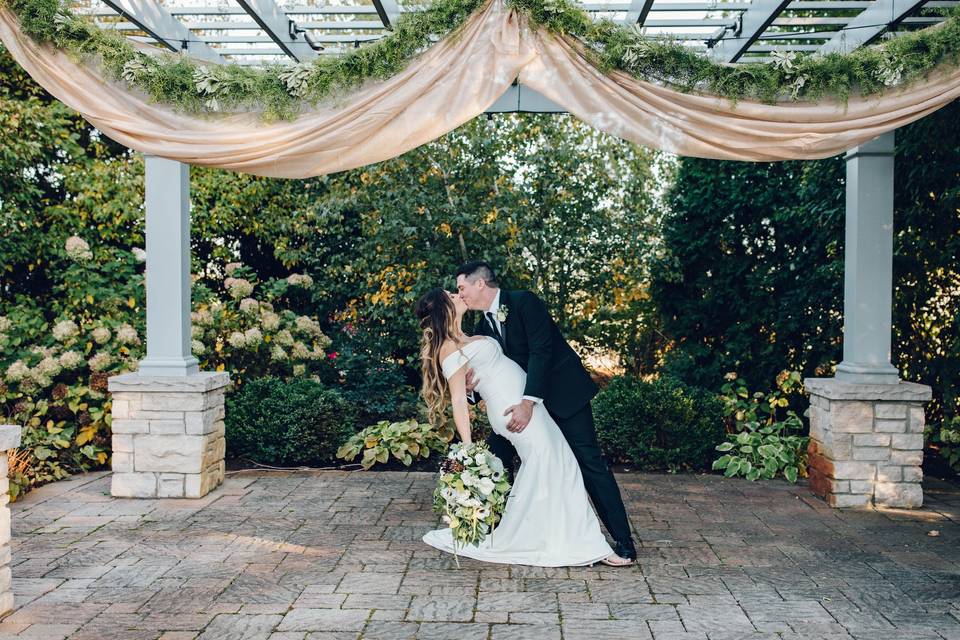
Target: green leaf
x=790, y=473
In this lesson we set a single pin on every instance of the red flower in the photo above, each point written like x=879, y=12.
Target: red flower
x=333, y=355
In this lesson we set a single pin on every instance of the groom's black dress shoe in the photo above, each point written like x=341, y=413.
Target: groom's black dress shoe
x=625, y=551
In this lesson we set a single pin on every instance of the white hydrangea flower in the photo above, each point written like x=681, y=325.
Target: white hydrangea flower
x=197, y=348
x=468, y=478
x=236, y=340
x=253, y=337
x=71, y=359
x=486, y=486
x=5, y=324
x=101, y=335
x=126, y=334
x=17, y=371
x=100, y=361
x=231, y=267
x=203, y=317
x=284, y=337
x=238, y=287
x=77, y=248
x=300, y=280
x=139, y=254
x=48, y=367
x=270, y=321
x=249, y=306
x=309, y=325
x=65, y=329
x=299, y=369
x=277, y=354
x=300, y=351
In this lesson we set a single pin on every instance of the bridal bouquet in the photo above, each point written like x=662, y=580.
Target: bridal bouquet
x=471, y=492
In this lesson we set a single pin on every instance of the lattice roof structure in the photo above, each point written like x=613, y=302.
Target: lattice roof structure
x=256, y=32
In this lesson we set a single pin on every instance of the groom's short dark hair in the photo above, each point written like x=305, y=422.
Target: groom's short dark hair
x=478, y=269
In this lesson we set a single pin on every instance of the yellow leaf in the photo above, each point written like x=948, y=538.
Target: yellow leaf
x=131, y=302
x=89, y=298
x=220, y=366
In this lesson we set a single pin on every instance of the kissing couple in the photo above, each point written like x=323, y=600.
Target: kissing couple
x=537, y=394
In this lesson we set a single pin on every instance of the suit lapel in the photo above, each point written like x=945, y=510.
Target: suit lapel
x=504, y=326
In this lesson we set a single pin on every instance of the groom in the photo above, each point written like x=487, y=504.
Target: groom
x=519, y=321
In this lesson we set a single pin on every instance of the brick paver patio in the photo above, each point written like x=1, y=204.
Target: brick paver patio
x=335, y=555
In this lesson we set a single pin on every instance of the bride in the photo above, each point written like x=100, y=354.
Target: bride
x=548, y=520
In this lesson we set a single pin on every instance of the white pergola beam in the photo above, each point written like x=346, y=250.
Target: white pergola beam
x=154, y=19
x=276, y=24
x=870, y=23
x=754, y=22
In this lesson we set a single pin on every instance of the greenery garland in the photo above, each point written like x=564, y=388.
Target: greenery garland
x=283, y=91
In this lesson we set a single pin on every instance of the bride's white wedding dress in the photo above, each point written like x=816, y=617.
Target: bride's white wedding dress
x=548, y=520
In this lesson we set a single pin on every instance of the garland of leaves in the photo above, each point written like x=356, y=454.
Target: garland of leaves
x=279, y=91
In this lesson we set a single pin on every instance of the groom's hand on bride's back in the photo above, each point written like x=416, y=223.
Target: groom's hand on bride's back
x=471, y=381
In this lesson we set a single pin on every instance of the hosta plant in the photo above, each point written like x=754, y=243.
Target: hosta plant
x=406, y=441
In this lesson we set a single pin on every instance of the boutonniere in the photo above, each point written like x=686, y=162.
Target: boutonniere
x=502, y=313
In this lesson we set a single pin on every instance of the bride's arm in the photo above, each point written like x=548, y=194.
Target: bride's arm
x=461, y=408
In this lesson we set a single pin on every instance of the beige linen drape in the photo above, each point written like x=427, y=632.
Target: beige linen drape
x=456, y=80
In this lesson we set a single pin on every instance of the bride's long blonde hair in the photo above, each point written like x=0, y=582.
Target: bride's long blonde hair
x=438, y=320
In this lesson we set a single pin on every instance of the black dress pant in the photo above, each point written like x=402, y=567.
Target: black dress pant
x=598, y=479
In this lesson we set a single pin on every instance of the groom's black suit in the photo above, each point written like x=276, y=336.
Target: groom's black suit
x=556, y=374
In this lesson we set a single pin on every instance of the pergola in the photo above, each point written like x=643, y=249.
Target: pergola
x=866, y=424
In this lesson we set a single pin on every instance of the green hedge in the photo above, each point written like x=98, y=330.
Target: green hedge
x=287, y=423
x=658, y=425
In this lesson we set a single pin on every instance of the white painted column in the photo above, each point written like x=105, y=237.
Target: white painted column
x=9, y=439
x=167, y=428
x=868, y=265
x=168, y=269
x=866, y=425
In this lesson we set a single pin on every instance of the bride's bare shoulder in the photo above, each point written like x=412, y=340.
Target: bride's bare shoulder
x=448, y=347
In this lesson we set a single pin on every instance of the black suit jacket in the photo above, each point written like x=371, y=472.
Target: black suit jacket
x=533, y=340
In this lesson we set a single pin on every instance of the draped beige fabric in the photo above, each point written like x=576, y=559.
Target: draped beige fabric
x=456, y=80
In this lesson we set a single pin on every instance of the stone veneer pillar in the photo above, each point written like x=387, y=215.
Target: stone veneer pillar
x=866, y=442
x=9, y=439
x=168, y=434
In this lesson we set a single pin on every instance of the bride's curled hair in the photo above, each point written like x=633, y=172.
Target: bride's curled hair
x=438, y=322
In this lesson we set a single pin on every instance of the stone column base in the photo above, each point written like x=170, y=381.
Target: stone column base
x=9, y=439
x=168, y=435
x=866, y=442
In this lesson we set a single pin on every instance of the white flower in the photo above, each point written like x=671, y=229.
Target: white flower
x=249, y=306
x=197, y=348
x=77, y=248
x=126, y=334
x=65, y=329
x=296, y=77
x=270, y=320
x=277, y=354
x=101, y=335
x=17, y=371
x=100, y=361
x=480, y=459
x=300, y=351
x=139, y=254
x=48, y=367
x=5, y=324
x=309, y=325
x=195, y=331
x=486, y=486
x=203, y=317
x=299, y=369
x=300, y=280
x=238, y=287
x=71, y=359
x=236, y=340
x=502, y=313
x=231, y=267
x=252, y=337
x=468, y=478
x=283, y=337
